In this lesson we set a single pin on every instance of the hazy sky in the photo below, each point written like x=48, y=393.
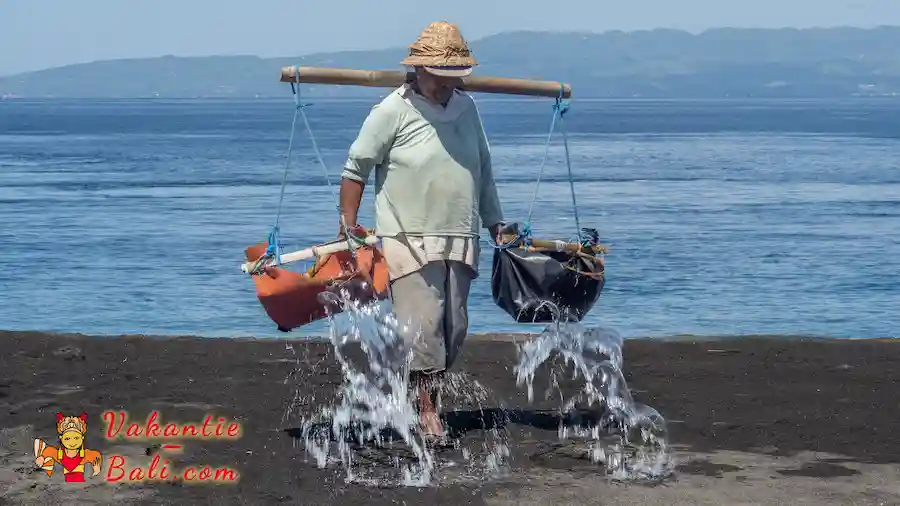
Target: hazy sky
x=36, y=34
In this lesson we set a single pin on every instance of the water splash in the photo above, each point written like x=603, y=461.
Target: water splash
x=372, y=428
x=594, y=356
x=375, y=405
x=487, y=455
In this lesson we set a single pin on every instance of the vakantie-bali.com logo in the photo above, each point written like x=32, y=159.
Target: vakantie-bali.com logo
x=73, y=456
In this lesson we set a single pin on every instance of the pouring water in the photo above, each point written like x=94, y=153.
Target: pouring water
x=372, y=427
x=593, y=358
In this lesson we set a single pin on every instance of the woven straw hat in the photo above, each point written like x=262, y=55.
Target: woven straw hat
x=442, y=50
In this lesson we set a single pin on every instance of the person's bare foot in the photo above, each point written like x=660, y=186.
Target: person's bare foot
x=431, y=423
x=429, y=419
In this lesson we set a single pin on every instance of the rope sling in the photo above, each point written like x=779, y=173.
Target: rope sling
x=293, y=299
x=532, y=280
x=540, y=281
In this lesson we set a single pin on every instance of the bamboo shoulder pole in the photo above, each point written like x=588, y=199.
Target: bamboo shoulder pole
x=393, y=79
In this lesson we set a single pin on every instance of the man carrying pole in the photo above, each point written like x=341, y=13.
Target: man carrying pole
x=434, y=190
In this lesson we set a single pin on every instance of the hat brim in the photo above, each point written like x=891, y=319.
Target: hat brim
x=459, y=71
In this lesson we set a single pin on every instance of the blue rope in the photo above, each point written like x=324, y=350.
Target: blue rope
x=524, y=237
x=563, y=107
x=274, y=248
x=537, y=185
x=315, y=145
x=353, y=243
x=560, y=108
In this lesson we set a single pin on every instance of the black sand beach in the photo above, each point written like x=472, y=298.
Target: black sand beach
x=755, y=421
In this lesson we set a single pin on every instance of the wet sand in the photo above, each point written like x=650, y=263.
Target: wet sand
x=755, y=421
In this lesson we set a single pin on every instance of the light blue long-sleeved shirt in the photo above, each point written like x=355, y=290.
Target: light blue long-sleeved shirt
x=433, y=173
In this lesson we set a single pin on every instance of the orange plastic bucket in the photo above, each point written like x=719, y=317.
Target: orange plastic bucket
x=291, y=299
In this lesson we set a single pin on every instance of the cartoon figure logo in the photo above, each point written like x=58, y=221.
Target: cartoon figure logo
x=71, y=455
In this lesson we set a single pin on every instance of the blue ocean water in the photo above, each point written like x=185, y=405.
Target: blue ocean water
x=724, y=217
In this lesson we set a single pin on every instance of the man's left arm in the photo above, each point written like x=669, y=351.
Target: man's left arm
x=488, y=200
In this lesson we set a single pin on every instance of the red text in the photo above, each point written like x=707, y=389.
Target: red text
x=159, y=471
x=151, y=428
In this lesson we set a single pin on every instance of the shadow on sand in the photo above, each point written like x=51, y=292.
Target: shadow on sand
x=459, y=423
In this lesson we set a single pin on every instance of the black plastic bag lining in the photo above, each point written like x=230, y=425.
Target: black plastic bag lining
x=524, y=282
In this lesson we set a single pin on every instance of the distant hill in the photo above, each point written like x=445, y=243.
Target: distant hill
x=726, y=62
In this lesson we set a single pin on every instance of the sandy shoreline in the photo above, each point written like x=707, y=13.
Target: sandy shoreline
x=756, y=420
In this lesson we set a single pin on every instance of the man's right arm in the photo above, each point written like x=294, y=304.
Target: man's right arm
x=351, y=197
x=369, y=150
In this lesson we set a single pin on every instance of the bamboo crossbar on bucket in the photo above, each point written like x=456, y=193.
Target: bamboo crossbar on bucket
x=554, y=245
x=393, y=79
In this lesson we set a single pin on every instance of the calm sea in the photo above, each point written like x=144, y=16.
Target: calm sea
x=724, y=217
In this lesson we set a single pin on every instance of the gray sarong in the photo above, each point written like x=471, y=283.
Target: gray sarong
x=432, y=303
